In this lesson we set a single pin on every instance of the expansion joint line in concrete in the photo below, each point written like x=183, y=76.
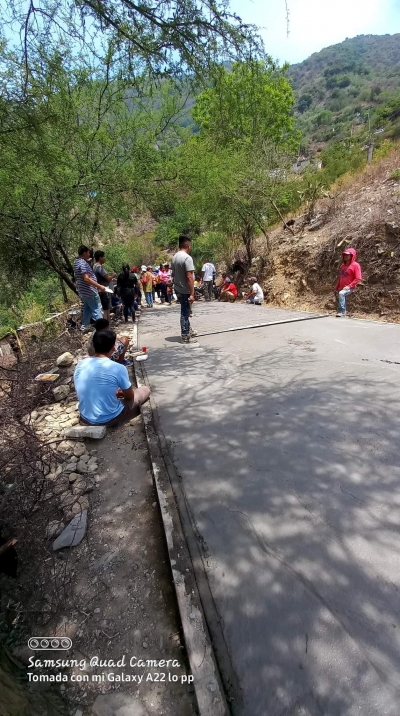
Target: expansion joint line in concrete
x=263, y=325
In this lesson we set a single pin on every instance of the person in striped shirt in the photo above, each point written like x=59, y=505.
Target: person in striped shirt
x=87, y=288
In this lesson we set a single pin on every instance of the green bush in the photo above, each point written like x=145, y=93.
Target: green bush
x=395, y=175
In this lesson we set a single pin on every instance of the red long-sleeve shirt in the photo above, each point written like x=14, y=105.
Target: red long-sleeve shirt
x=349, y=276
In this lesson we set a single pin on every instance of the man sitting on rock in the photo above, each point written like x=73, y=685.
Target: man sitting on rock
x=104, y=391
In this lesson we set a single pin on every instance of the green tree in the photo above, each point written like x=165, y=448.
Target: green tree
x=162, y=35
x=236, y=191
x=252, y=101
x=78, y=149
x=305, y=101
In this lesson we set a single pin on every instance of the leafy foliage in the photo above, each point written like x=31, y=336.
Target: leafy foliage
x=162, y=36
x=253, y=100
x=353, y=80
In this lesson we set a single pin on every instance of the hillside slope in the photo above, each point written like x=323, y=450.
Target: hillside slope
x=339, y=90
x=363, y=213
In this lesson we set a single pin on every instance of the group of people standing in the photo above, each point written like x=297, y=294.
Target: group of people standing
x=100, y=290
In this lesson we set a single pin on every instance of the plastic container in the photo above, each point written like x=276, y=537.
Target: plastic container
x=143, y=357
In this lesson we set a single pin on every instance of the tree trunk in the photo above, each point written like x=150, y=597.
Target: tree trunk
x=247, y=236
x=63, y=290
x=18, y=698
x=62, y=275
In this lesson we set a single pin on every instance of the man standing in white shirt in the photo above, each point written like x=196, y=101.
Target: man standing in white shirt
x=207, y=275
x=256, y=294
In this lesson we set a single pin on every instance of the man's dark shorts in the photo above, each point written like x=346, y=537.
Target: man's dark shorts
x=105, y=299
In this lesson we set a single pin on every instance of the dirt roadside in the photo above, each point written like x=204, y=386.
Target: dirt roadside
x=119, y=600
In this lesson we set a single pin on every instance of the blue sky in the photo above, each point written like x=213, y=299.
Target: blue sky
x=315, y=24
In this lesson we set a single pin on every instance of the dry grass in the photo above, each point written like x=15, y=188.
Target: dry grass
x=363, y=212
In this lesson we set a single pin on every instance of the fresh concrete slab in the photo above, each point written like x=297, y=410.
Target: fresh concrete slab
x=285, y=440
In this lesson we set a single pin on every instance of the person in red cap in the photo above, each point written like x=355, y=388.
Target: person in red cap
x=349, y=276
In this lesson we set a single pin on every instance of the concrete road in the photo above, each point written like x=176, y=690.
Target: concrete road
x=286, y=440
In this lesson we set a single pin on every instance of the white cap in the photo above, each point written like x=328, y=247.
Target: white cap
x=144, y=268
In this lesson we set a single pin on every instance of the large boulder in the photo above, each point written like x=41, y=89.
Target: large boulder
x=65, y=360
x=73, y=533
x=60, y=392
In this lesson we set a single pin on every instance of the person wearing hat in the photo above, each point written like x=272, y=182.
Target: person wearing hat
x=256, y=295
x=349, y=276
x=229, y=291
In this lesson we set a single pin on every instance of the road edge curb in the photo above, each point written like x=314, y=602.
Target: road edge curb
x=209, y=692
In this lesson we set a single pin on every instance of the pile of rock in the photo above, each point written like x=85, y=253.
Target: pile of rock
x=74, y=472
x=70, y=482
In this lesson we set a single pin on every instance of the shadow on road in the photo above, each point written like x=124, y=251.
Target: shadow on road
x=293, y=484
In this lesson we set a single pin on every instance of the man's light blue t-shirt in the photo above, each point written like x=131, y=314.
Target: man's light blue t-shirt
x=96, y=381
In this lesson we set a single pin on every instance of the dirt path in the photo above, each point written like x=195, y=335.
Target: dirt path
x=120, y=602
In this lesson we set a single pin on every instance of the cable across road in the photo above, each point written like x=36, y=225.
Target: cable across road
x=262, y=325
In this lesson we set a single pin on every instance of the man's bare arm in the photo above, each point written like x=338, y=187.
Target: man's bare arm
x=127, y=394
x=190, y=280
x=90, y=281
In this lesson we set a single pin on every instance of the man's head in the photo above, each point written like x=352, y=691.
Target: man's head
x=84, y=252
x=253, y=279
x=149, y=268
x=101, y=324
x=104, y=341
x=166, y=267
x=185, y=243
x=227, y=280
x=126, y=268
x=99, y=257
x=347, y=256
x=143, y=268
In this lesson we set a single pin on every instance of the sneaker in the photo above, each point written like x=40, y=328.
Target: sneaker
x=189, y=339
x=340, y=315
x=87, y=329
x=193, y=333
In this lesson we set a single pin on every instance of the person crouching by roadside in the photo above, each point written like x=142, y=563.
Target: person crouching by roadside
x=121, y=344
x=218, y=288
x=256, y=295
x=103, y=387
x=229, y=291
x=349, y=276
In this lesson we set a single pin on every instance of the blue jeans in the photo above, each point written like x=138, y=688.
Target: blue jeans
x=91, y=309
x=183, y=299
x=149, y=298
x=253, y=299
x=342, y=299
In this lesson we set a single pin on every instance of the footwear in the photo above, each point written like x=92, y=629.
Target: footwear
x=340, y=315
x=87, y=329
x=193, y=333
x=189, y=339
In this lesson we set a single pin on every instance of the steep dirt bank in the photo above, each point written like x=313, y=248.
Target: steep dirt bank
x=363, y=212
